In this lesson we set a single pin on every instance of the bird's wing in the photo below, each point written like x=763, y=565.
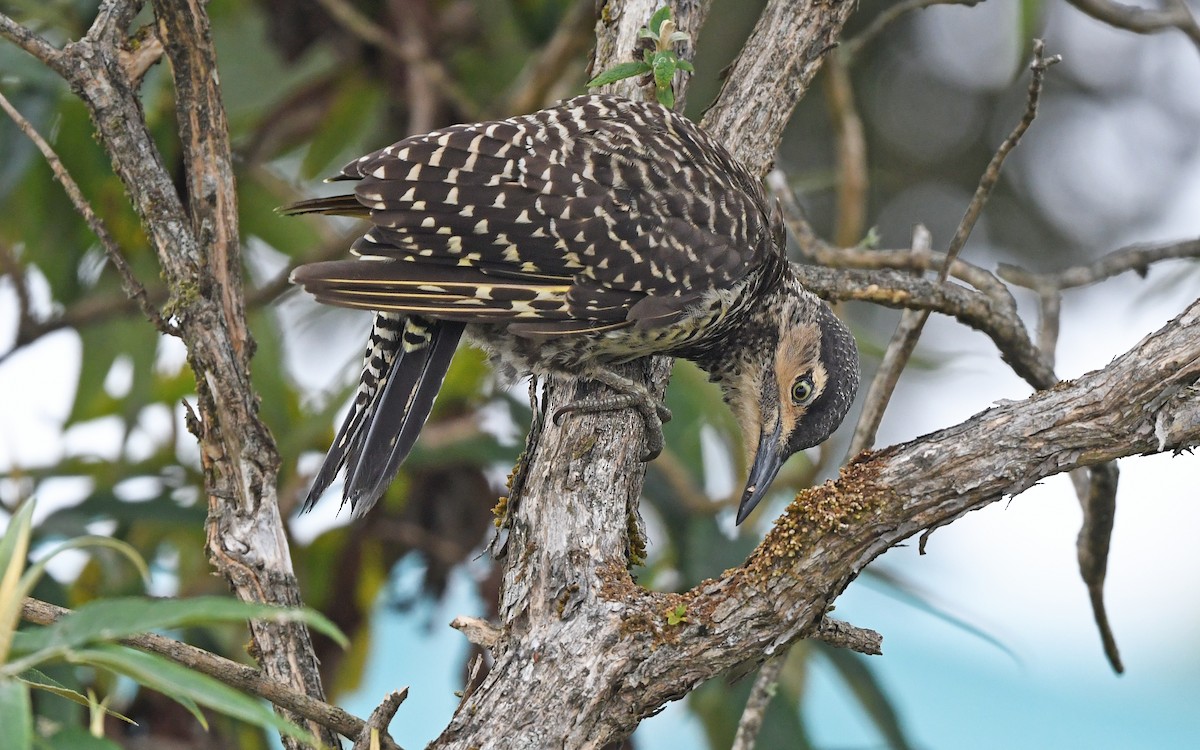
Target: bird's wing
x=562, y=220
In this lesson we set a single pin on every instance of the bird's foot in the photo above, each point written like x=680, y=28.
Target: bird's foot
x=629, y=395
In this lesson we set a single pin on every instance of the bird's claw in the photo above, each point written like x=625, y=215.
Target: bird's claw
x=654, y=413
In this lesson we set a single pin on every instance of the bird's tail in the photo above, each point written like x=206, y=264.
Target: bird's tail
x=405, y=363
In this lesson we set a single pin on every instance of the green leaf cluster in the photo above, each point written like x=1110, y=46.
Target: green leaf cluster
x=659, y=60
x=91, y=637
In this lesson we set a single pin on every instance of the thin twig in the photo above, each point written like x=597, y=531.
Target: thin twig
x=11, y=267
x=756, y=705
x=972, y=309
x=374, y=733
x=1049, y=314
x=1096, y=488
x=1143, y=20
x=1049, y=286
x=129, y=282
x=852, y=47
x=992, y=174
x=1137, y=258
x=841, y=634
x=231, y=673
x=895, y=358
x=32, y=43
x=908, y=331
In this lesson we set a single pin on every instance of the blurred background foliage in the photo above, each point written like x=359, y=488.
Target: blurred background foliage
x=307, y=92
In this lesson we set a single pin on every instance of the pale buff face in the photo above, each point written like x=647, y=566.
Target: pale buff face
x=764, y=400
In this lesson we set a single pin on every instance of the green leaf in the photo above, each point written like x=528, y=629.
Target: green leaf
x=121, y=617
x=188, y=687
x=660, y=15
x=16, y=715
x=664, y=71
x=619, y=72
x=38, y=679
x=13, y=548
x=34, y=574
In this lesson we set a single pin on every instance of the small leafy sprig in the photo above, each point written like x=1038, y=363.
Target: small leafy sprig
x=659, y=60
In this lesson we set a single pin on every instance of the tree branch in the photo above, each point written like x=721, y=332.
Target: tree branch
x=1145, y=401
x=761, y=694
x=129, y=282
x=572, y=526
x=229, y=672
x=196, y=243
x=1143, y=20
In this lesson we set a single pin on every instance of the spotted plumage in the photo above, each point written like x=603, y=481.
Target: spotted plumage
x=594, y=232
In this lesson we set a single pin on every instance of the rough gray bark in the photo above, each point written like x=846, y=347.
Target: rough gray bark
x=562, y=676
x=195, y=237
x=584, y=654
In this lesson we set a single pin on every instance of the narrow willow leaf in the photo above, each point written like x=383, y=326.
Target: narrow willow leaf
x=186, y=686
x=121, y=617
x=16, y=715
x=13, y=548
x=619, y=72
x=41, y=681
x=660, y=15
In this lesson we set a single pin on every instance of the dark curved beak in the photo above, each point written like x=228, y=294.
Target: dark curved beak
x=767, y=461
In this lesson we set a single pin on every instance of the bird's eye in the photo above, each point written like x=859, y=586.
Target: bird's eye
x=803, y=390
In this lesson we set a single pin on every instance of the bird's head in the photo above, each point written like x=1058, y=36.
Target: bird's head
x=793, y=386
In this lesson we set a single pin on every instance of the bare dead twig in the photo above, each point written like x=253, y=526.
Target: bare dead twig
x=908, y=331
x=1096, y=488
x=1049, y=314
x=1137, y=258
x=895, y=357
x=756, y=705
x=129, y=282
x=374, y=734
x=973, y=309
x=815, y=250
x=11, y=267
x=991, y=175
x=1176, y=15
x=231, y=673
x=841, y=634
x=35, y=45
x=1050, y=286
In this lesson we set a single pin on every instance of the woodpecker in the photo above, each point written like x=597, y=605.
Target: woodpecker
x=590, y=233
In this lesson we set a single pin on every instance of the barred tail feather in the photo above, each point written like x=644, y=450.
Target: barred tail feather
x=399, y=409
x=382, y=348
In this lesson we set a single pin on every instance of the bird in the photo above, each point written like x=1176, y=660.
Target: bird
x=587, y=234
